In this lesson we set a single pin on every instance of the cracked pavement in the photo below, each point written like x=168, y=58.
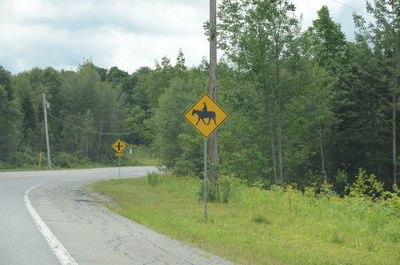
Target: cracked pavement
x=94, y=235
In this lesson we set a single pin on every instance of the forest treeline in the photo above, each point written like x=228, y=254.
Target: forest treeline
x=305, y=105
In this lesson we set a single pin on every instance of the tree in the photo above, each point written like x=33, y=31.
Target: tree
x=9, y=131
x=243, y=143
x=256, y=36
x=91, y=111
x=9, y=117
x=180, y=66
x=115, y=76
x=5, y=81
x=384, y=35
x=54, y=94
x=327, y=42
x=174, y=140
x=324, y=44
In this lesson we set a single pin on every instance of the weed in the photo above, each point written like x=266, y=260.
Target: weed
x=394, y=237
x=336, y=238
x=225, y=187
x=260, y=219
x=207, y=256
x=152, y=179
x=321, y=229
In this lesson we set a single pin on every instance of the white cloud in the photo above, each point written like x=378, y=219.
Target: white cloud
x=309, y=9
x=341, y=12
x=124, y=33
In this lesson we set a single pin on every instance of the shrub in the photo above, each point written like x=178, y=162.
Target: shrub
x=392, y=202
x=224, y=189
x=200, y=192
x=260, y=219
x=66, y=160
x=366, y=186
x=152, y=179
x=22, y=159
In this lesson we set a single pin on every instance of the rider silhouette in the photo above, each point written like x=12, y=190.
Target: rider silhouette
x=205, y=107
x=204, y=114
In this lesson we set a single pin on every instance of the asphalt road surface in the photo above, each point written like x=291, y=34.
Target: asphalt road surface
x=48, y=217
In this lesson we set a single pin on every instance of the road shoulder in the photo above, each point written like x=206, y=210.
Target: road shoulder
x=94, y=235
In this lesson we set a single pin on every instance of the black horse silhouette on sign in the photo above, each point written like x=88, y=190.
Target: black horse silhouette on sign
x=204, y=114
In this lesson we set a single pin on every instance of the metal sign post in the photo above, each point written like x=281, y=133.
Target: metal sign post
x=119, y=167
x=119, y=146
x=205, y=179
x=205, y=116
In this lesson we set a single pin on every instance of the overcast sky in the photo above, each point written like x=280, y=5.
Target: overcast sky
x=123, y=33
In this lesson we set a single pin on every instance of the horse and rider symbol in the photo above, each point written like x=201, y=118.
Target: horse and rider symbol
x=205, y=114
x=202, y=118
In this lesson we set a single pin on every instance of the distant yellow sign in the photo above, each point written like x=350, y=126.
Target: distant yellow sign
x=119, y=146
x=205, y=115
x=119, y=154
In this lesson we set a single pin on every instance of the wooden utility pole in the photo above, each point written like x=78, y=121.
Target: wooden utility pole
x=45, y=106
x=213, y=94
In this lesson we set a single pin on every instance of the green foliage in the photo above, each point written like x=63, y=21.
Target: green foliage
x=152, y=179
x=366, y=186
x=305, y=108
x=178, y=146
x=66, y=160
x=340, y=179
x=141, y=156
x=392, y=202
x=5, y=81
x=10, y=125
x=224, y=189
x=260, y=219
x=257, y=225
x=327, y=42
x=25, y=158
x=257, y=37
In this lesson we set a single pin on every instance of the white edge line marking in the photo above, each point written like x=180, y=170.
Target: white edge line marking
x=61, y=253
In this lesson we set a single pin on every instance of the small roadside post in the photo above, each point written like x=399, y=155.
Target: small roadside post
x=119, y=146
x=205, y=116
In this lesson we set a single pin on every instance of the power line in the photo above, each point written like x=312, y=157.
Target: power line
x=355, y=9
x=91, y=131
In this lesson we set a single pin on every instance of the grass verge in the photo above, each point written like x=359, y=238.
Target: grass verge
x=280, y=226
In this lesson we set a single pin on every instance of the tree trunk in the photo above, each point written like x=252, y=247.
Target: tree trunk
x=396, y=69
x=394, y=147
x=273, y=151
x=321, y=142
x=280, y=114
x=280, y=152
x=99, y=142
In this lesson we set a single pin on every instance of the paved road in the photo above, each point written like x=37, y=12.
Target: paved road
x=88, y=232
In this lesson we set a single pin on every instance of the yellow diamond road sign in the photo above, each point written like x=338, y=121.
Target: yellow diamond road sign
x=119, y=146
x=205, y=115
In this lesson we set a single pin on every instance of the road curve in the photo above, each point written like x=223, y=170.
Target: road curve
x=21, y=242
x=90, y=233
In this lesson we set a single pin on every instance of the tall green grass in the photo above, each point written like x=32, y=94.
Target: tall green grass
x=255, y=226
